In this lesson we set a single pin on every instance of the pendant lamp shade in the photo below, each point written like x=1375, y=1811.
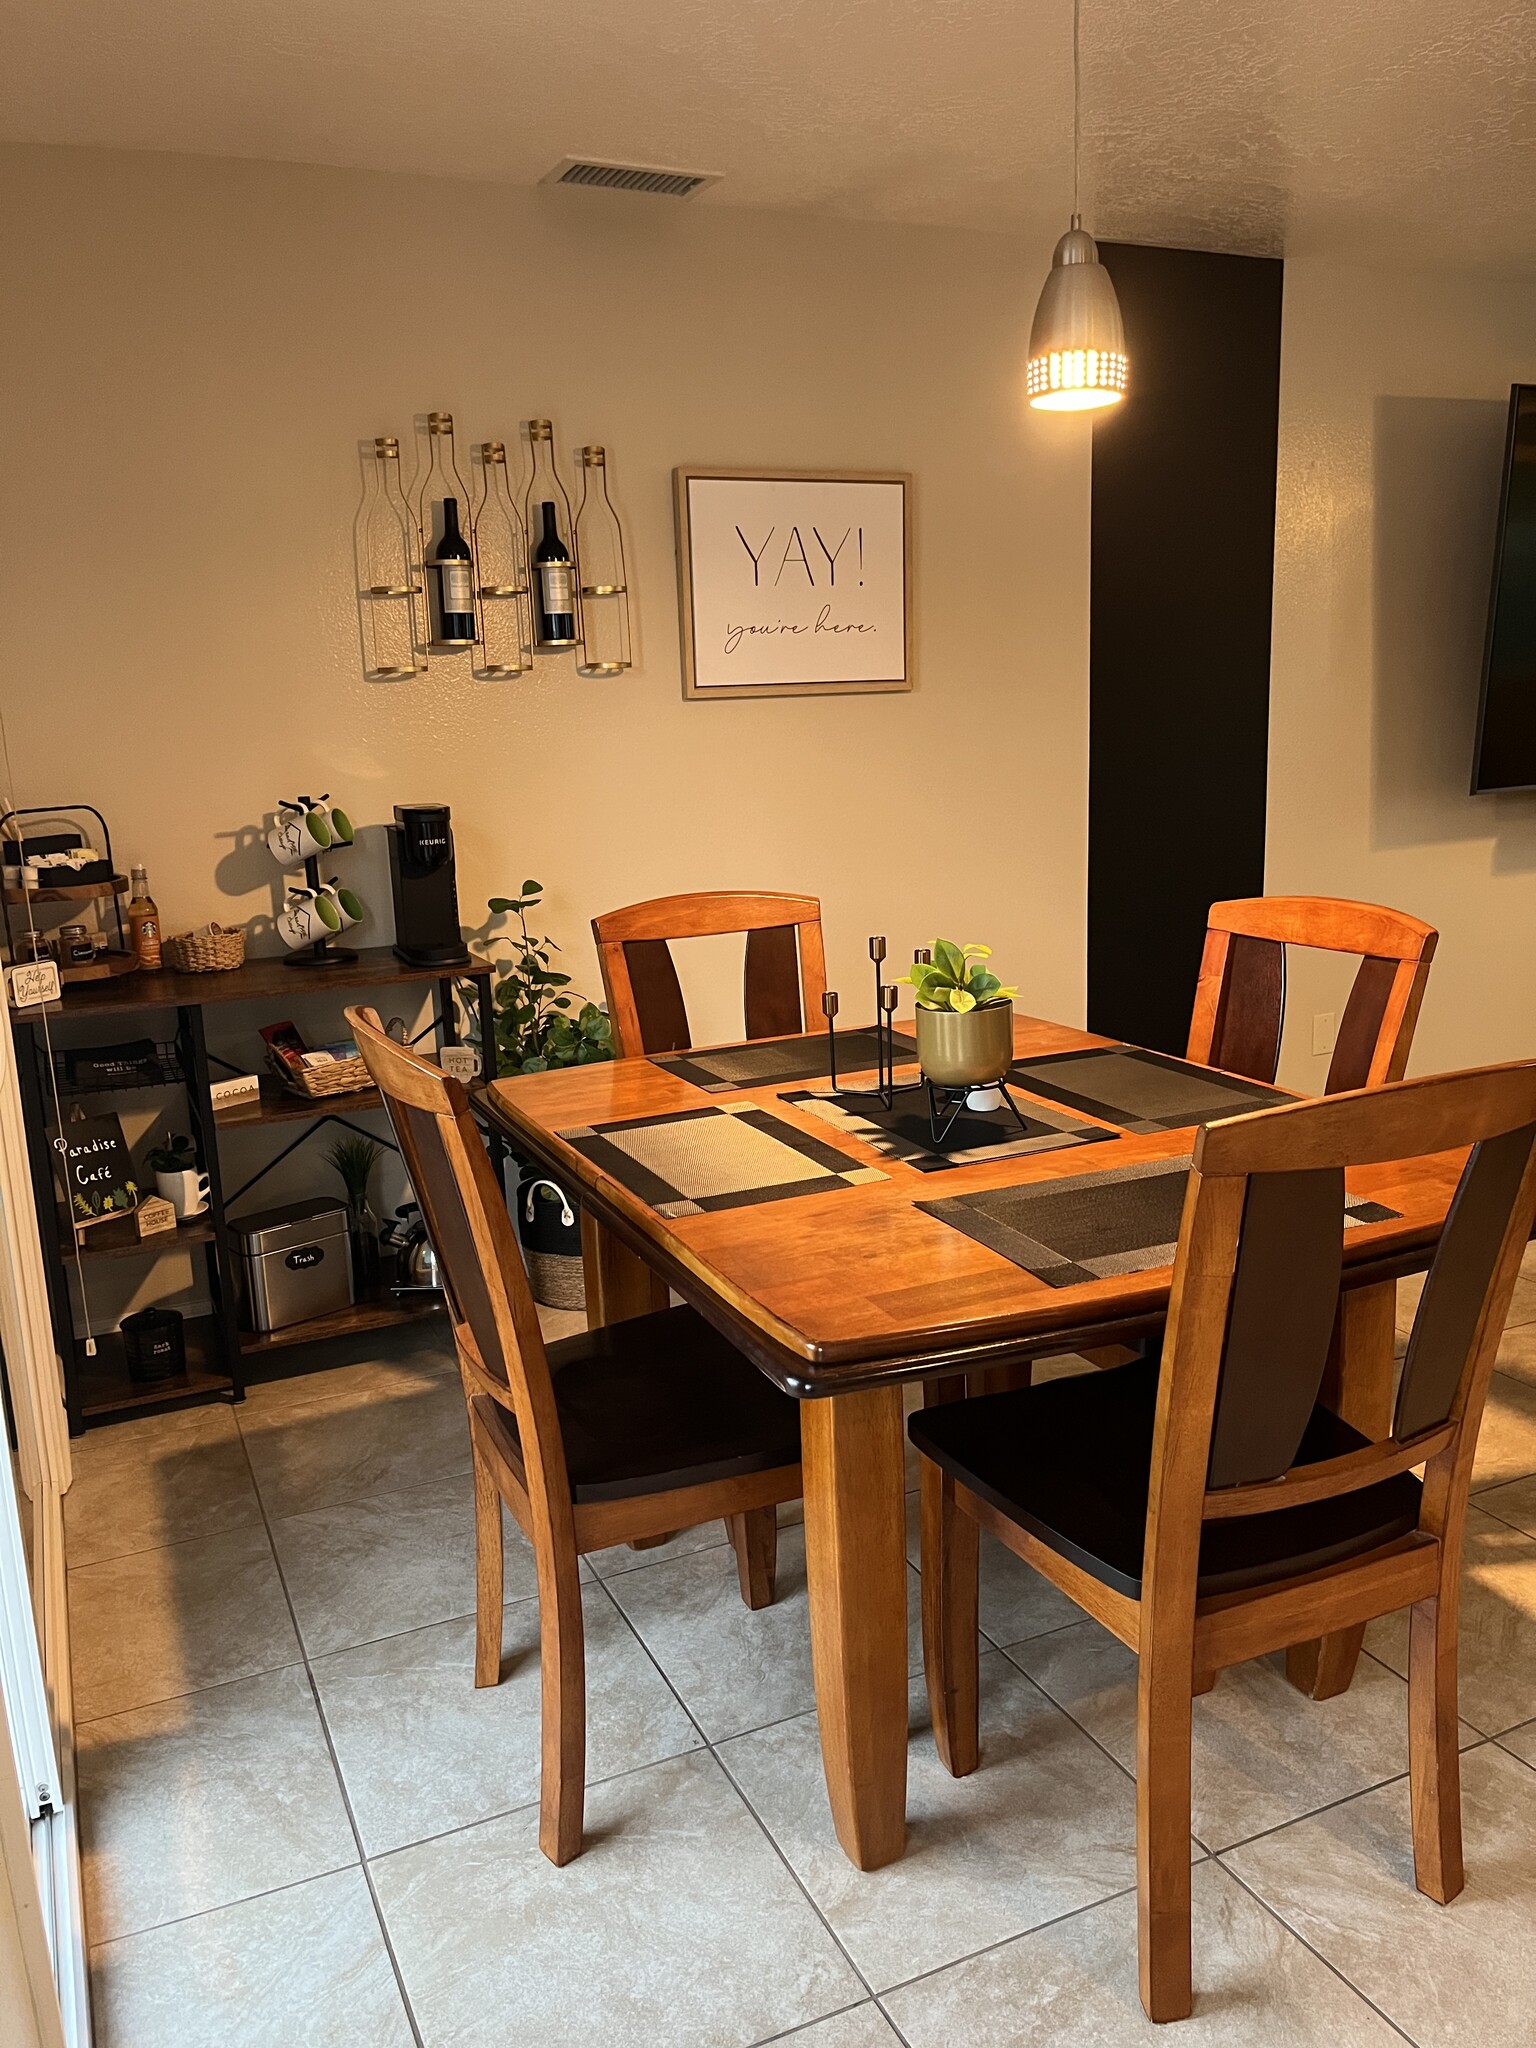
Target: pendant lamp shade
x=1077, y=357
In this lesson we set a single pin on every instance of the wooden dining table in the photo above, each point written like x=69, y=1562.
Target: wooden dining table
x=843, y=1298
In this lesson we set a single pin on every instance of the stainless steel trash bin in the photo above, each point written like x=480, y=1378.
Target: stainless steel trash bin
x=297, y=1262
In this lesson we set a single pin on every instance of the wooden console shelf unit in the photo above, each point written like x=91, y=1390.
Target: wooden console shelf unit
x=219, y=1350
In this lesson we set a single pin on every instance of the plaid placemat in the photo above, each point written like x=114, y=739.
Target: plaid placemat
x=767, y=1061
x=1096, y=1225
x=717, y=1158
x=1141, y=1091
x=904, y=1132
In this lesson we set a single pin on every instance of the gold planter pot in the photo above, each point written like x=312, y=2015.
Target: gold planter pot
x=965, y=1048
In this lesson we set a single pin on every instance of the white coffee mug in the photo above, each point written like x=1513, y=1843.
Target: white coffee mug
x=338, y=821
x=187, y=1192
x=305, y=917
x=347, y=904
x=300, y=831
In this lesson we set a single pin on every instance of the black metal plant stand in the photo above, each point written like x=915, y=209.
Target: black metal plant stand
x=944, y=1103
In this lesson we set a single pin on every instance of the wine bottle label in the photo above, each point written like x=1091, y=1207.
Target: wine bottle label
x=457, y=586
x=559, y=587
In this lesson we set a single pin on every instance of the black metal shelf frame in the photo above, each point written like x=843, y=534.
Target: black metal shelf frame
x=183, y=1061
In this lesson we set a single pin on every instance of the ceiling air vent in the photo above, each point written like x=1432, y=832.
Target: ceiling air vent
x=579, y=170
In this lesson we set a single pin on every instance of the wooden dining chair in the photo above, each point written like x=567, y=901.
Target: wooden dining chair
x=784, y=980
x=628, y=1431
x=1218, y=1512
x=1240, y=996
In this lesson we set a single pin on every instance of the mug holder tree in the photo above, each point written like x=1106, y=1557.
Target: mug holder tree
x=322, y=952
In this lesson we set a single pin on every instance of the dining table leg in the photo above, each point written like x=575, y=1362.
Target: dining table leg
x=1358, y=1387
x=856, y=1573
x=619, y=1284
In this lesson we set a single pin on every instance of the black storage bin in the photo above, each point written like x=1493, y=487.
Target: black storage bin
x=156, y=1346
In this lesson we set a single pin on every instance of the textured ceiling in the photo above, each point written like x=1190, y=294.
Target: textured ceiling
x=1404, y=130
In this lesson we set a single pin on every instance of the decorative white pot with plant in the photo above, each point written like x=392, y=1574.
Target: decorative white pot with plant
x=964, y=1021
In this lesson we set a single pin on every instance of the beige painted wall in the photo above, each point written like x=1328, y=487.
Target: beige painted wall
x=1393, y=396
x=198, y=346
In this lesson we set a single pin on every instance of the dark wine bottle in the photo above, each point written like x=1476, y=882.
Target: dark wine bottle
x=555, y=584
x=454, y=578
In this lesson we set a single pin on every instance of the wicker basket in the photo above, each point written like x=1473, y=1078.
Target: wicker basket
x=214, y=951
x=331, y=1077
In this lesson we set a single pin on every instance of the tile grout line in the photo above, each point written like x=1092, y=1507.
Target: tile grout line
x=1003, y=1941
x=271, y=1891
x=1333, y=1968
x=341, y=1783
x=789, y=2034
x=724, y=1768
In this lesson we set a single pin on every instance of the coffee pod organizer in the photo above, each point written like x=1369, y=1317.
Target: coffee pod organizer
x=314, y=911
x=399, y=526
x=49, y=856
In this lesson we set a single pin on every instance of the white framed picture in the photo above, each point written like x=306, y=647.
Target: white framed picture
x=793, y=582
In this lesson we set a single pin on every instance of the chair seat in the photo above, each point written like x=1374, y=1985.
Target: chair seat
x=1071, y=1461
x=663, y=1401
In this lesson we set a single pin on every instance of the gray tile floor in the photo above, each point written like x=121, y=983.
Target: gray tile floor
x=304, y=1827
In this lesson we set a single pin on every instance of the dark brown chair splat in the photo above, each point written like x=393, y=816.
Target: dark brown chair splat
x=1211, y=1509
x=783, y=981
x=1240, y=998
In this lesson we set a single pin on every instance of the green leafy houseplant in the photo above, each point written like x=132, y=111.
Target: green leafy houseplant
x=539, y=1022
x=956, y=979
x=176, y=1155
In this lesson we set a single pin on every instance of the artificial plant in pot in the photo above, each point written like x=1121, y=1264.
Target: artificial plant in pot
x=964, y=1019
x=540, y=1023
x=178, y=1179
x=354, y=1157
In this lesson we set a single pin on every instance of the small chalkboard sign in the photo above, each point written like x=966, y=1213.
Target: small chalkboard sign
x=95, y=1169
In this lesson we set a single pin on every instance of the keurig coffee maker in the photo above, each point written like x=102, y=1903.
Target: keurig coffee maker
x=426, y=891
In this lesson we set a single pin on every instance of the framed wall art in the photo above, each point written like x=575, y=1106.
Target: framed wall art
x=794, y=583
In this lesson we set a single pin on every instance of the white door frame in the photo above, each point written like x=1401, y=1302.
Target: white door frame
x=36, y=1700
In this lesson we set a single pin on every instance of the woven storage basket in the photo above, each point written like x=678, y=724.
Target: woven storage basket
x=333, y=1077
x=557, y=1280
x=214, y=951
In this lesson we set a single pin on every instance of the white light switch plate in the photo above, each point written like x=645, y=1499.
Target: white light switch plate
x=1325, y=1032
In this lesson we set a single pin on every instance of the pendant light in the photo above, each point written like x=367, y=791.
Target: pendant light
x=1077, y=358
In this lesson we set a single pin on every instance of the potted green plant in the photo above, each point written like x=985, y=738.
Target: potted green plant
x=964, y=1018
x=177, y=1178
x=539, y=1022
x=354, y=1157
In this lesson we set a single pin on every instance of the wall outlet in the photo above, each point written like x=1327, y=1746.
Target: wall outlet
x=1325, y=1032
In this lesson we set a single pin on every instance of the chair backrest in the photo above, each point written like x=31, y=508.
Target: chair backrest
x=495, y=1324
x=783, y=983
x=1240, y=997
x=1255, y=1298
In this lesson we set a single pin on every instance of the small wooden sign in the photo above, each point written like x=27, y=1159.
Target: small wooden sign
x=153, y=1215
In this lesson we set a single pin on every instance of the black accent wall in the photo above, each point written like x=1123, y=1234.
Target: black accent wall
x=1183, y=566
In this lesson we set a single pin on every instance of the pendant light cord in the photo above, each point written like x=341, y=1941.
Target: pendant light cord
x=1077, y=104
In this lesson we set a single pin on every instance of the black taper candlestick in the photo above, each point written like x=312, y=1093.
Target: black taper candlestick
x=829, y=1011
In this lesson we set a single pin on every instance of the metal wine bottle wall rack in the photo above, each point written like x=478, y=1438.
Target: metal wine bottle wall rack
x=399, y=526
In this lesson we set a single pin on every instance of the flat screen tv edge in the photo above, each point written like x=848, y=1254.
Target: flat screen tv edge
x=1504, y=757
